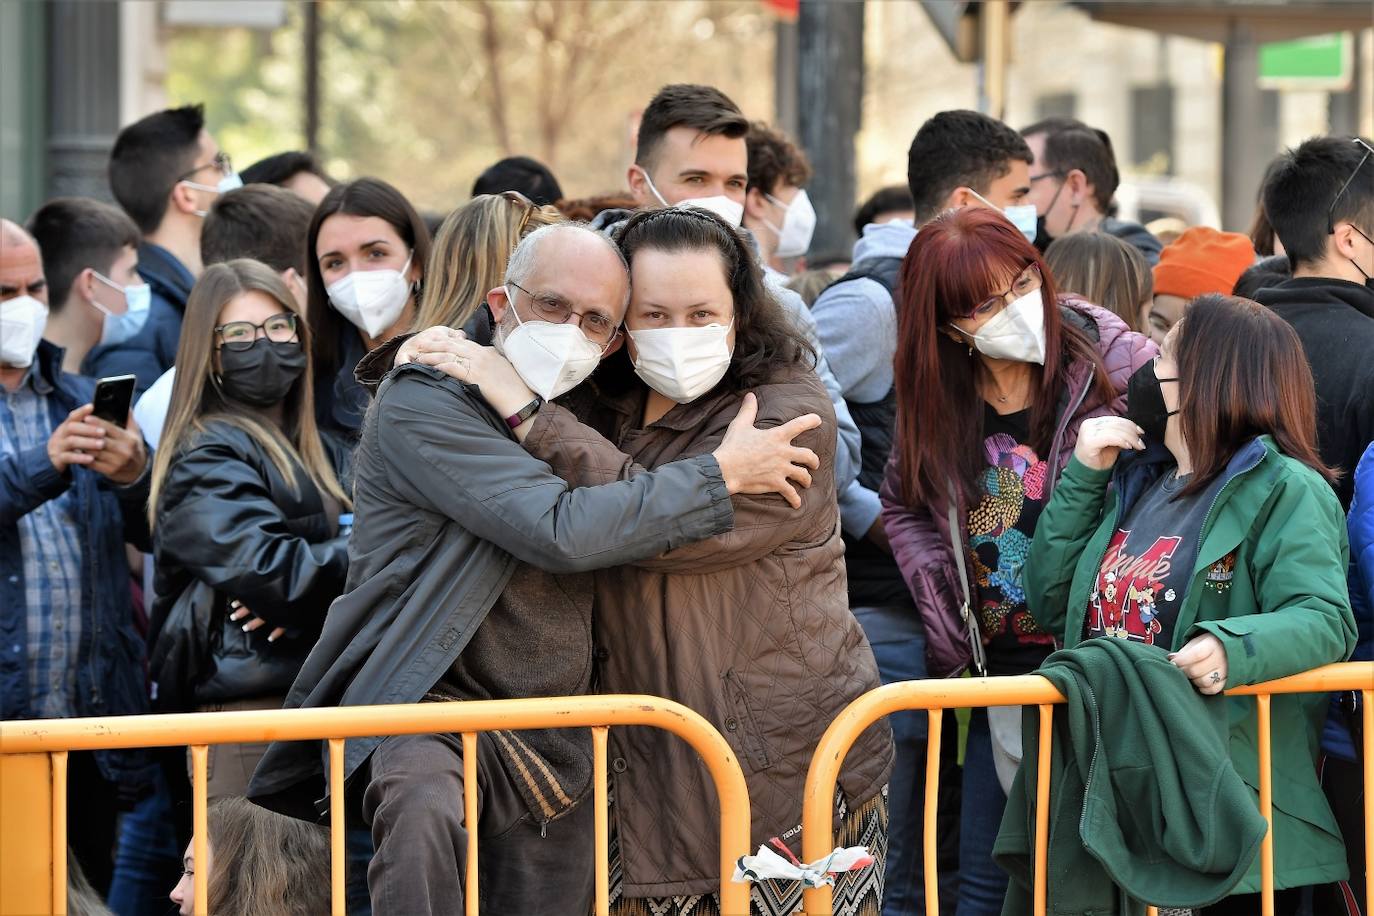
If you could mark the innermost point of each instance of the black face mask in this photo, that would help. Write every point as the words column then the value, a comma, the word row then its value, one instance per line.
column 1042, row 236
column 1145, row 405
column 1368, row 280
column 261, row 375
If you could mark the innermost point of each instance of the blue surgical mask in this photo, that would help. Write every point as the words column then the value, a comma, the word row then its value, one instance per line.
column 1022, row 217
column 137, row 300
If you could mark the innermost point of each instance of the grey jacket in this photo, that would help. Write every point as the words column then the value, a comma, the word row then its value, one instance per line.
column 847, row 441
column 447, row 504
column 857, row 325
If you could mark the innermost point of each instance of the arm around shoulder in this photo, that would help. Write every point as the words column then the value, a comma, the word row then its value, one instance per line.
column 447, row 453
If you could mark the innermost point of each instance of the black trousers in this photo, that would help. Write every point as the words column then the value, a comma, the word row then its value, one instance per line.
column 414, row 805
column 92, row 811
column 1343, row 782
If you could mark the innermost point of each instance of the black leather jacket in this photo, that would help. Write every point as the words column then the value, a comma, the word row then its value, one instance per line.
column 229, row 526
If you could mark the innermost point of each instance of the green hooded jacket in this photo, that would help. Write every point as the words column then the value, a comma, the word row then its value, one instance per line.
column 1269, row 582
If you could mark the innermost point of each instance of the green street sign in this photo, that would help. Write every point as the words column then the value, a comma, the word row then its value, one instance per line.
column 1317, row 62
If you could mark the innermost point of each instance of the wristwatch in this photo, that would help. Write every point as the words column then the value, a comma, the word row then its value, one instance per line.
column 524, row 413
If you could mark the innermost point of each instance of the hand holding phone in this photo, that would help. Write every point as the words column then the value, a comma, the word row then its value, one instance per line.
column 113, row 398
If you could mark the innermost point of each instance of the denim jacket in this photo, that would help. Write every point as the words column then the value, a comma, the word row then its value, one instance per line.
column 110, row 677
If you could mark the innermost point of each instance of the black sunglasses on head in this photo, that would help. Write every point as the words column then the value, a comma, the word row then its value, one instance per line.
column 1331, row 210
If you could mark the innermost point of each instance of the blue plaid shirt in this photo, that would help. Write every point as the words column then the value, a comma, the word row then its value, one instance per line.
column 50, row 542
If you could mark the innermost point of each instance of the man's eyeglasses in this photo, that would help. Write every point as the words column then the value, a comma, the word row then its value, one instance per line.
column 1028, row 281
column 1043, row 175
column 1331, row 210
column 241, row 335
column 523, row 202
column 598, row 327
column 220, row 162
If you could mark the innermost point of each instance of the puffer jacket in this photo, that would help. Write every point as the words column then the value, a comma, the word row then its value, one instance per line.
column 750, row 628
column 227, row 518
column 920, row 535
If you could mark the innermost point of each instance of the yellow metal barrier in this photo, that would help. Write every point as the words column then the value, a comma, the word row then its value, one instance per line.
column 33, row 777
column 936, row 696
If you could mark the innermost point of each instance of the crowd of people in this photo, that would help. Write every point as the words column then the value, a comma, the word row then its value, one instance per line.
column 650, row 442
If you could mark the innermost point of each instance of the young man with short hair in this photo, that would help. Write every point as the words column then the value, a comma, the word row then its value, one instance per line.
column 776, row 207
column 165, row 172
column 72, row 491
column 1320, row 199
column 957, row 159
column 691, row 150
column 95, row 295
column 262, row 222
column 1074, row 182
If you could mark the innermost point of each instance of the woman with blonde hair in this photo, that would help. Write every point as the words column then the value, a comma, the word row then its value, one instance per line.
column 469, row 255
column 246, row 508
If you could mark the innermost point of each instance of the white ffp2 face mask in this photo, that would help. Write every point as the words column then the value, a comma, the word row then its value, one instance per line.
column 682, row 364
column 732, row 211
column 22, row 320
column 1015, row 333
column 372, row 299
column 550, row 358
column 798, row 225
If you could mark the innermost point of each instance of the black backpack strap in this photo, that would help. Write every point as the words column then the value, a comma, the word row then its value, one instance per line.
column 884, row 270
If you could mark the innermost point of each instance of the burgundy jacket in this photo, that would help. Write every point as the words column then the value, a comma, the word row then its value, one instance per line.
column 920, row 535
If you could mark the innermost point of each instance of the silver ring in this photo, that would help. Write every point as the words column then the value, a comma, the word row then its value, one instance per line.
column 1216, row 677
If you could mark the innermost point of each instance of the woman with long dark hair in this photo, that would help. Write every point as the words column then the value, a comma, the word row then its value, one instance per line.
column 1221, row 541
column 245, row 506
column 995, row 373
column 366, row 252
column 752, row 629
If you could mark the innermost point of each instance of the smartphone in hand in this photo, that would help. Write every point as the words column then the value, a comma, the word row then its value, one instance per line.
column 113, row 397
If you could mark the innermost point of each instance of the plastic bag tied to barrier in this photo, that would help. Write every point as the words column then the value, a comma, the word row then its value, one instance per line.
column 767, row 864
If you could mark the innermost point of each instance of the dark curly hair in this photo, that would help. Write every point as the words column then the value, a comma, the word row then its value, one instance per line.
column 765, row 340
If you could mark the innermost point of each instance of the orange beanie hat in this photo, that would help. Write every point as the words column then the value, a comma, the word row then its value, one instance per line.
column 1202, row 260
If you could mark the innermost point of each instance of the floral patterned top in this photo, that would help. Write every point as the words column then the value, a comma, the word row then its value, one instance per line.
column 1000, row 528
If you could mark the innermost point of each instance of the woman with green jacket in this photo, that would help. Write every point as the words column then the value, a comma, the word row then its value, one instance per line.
column 1219, row 539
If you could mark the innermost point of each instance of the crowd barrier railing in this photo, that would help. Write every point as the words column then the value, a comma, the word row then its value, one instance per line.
column 1033, row 690
column 33, row 777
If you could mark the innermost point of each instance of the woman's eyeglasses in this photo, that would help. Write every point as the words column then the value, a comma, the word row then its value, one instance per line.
column 1028, row 281
column 241, row 335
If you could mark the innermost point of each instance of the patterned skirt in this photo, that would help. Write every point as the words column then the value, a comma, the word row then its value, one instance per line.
column 856, row 893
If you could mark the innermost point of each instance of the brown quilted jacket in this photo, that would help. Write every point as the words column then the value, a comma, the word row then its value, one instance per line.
column 751, row 629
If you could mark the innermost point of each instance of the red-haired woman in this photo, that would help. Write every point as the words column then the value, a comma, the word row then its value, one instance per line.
column 995, row 373
column 1222, row 542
